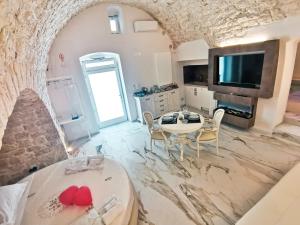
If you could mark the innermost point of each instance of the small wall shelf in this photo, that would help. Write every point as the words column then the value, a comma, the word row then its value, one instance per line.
column 68, row 121
column 66, row 102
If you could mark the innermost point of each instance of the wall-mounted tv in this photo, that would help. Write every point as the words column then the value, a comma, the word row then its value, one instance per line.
column 241, row 70
column 247, row 70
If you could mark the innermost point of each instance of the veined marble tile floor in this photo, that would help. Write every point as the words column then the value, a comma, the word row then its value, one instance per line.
column 214, row 190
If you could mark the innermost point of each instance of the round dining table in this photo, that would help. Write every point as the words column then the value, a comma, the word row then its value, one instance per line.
column 181, row 129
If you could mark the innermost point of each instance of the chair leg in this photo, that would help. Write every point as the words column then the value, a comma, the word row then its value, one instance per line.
column 181, row 152
column 198, row 150
column 217, row 145
column 151, row 143
column 166, row 146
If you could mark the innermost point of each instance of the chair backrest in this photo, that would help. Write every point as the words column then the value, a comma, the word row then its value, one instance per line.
column 218, row 116
column 149, row 120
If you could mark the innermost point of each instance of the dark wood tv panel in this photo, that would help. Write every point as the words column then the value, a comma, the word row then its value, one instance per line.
column 243, row 96
column 271, row 52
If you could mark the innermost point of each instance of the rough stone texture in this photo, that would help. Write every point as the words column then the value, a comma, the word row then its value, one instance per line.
column 28, row 28
column 30, row 139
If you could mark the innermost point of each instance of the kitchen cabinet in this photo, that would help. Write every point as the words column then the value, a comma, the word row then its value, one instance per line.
column 158, row 103
column 163, row 68
column 174, row 100
column 200, row 97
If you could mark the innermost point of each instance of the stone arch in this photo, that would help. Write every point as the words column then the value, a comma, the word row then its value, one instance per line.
column 30, row 139
column 28, row 29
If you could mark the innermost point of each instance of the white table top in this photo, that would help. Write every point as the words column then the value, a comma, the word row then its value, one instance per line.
column 51, row 181
column 181, row 128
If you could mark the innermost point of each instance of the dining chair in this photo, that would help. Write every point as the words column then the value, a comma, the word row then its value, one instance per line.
column 211, row 134
column 155, row 132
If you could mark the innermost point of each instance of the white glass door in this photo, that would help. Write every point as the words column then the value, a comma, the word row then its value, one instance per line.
column 106, row 94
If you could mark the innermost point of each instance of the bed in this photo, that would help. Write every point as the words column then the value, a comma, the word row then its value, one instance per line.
column 111, row 180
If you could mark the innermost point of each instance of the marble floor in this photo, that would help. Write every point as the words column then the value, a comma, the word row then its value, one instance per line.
column 214, row 190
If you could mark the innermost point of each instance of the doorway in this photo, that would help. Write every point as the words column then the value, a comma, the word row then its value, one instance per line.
column 102, row 73
column 292, row 115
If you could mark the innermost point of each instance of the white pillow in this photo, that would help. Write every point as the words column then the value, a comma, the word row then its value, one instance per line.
column 12, row 203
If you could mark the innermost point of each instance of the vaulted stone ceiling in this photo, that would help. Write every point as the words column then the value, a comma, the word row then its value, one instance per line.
column 28, row 28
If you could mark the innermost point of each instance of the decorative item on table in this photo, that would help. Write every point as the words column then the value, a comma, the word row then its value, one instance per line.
column 74, row 195
column 84, row 163
column 193, row 118
column 185, row 109
column 176, row 114
column 181, row 116
column 170, row 119
column 186, row 114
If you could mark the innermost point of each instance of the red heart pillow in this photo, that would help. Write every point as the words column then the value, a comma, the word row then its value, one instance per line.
column 83, row 196
column 68, row 195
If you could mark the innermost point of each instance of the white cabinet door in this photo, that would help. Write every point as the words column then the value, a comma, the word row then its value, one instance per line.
column 174, row 100
column 203, row 98
column 189, row 95
column 200, row 97
column 147, row 104
column 163, row 65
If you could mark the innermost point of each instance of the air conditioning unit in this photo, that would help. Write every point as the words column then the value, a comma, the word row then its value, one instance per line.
column 145, row 26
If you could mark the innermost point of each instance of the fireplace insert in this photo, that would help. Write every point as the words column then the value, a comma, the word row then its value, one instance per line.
column 243, row 111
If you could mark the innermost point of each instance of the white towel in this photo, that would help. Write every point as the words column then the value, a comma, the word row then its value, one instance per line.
column 112, row 213
column 92, row 218
column 110, row 210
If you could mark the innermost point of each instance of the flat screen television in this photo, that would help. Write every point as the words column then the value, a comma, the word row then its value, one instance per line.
column 241, row 70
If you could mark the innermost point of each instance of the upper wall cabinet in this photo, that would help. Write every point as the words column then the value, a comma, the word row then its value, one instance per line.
column 163, row 68
column 192, row 50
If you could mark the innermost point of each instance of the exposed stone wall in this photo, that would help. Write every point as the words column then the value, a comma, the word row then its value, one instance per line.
column 30, row 139
column 28, row 28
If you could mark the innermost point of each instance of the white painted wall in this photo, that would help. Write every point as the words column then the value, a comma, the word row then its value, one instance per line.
column 296, row 75
column 189, row 53
column 270, row 112
column 89, row 32
column 192, row 50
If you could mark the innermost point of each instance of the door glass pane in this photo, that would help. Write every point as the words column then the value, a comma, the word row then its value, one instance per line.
column 107, row 95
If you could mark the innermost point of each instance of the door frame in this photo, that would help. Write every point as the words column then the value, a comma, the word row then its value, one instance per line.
column 101, row 69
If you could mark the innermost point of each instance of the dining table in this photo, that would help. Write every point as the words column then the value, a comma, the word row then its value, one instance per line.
column 182, row 124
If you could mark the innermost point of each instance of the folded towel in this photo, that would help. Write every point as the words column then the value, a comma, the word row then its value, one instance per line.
column 112, row 213
column 92, row 217
column 110, row 210
column 83, row 164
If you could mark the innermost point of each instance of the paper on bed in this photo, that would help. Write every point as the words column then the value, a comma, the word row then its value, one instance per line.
column 83, row 164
